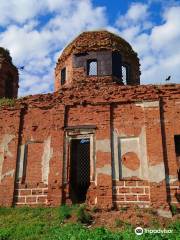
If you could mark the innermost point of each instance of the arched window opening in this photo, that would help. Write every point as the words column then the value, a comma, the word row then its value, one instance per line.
column 116, row 65
column 63, row 76
column 125, row 74
column 92, row 67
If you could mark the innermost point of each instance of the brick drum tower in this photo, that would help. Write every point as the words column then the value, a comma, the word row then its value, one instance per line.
column 98, row 56
column 8, row 76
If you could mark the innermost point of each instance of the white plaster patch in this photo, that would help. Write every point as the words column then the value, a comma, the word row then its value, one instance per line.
column 129, row 173
column 124, row 144
column 5, row 150
column 164, row 213
column 148, row 104
column 46, row 157
column 115, row 158
column 157, row 173
column 9, row 173
column 4, row 144
column 1, row 160
column 20, row 161
column 106, row 169
column 144, row 172
column 129, row 144
column 103, row 145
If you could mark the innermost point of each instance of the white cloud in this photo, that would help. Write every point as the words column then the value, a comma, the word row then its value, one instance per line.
column 84, row 17
column 169, row 32
column 26, row 43
column 13, row 11
column 131, row 32
column 157, row 45
column 137, row 13
column 36, row 45
column 18, row 11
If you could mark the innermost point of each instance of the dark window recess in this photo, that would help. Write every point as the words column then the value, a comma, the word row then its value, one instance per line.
column 92, row 67
column 177, row 149
column 79, row 169
column 63, row 76
column 9, row 87
column 177, row 144
column 116, row 65
column 125, row 74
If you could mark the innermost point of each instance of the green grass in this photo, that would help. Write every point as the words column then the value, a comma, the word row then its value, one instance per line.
column 51, row 224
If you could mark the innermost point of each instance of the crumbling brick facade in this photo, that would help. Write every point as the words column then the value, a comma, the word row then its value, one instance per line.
column 128, row 132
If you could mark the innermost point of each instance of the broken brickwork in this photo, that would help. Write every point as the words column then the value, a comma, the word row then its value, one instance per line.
column 96, row 45
column 129, row 130
column 9, row 78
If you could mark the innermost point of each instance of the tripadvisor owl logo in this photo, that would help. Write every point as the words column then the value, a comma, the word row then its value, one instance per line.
column 138, row 231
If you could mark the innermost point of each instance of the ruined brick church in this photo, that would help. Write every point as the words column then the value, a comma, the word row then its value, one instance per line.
column 100, row 138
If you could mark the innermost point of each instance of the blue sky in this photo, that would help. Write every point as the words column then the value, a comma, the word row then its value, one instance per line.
column 36, row 31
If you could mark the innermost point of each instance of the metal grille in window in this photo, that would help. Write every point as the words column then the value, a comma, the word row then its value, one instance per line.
column 124, row 74
column 92, row 67
column 63, row 76
column 83, row 170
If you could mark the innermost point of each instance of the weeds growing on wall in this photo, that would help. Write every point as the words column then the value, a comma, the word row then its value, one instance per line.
column 7, row 102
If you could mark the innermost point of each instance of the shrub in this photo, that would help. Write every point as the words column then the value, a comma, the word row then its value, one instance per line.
column 83, row 216
column 174, row 209
column 7, row 102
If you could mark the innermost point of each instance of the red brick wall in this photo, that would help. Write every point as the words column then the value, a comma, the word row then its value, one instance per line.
column 33, row 168
column 9, row 134
column 69, row 72
column 110, row 108
column 31, row 194
column 130, row 192
column 170, row 128
column 38, row 126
